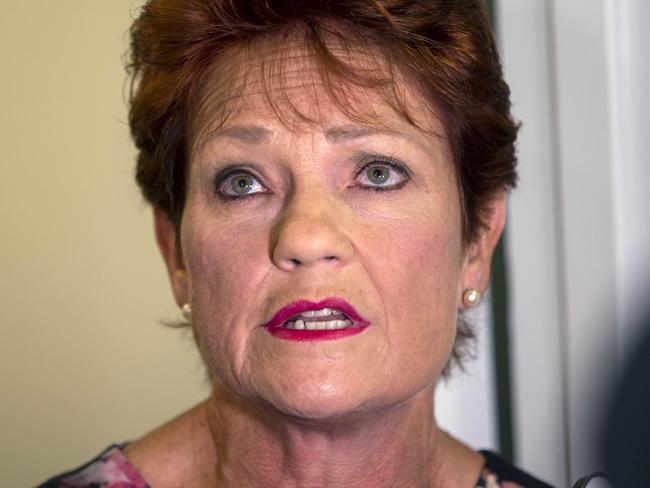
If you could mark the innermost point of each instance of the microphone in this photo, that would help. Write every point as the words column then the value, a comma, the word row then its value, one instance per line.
column 594, row 480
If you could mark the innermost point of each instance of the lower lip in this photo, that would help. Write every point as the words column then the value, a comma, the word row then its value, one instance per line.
column 304, row 335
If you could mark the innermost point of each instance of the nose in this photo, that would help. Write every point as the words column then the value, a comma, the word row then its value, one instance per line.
column 308, row 232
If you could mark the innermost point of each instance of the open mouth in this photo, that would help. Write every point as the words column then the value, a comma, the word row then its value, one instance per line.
column 303, row 320
column 323, row 319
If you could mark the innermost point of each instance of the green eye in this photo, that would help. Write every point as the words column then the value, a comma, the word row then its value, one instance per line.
column 238, row 184
column 242, row 184
column 378, row 175
column 383, row 175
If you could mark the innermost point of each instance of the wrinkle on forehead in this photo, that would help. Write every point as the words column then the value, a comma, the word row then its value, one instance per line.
column 299, row 83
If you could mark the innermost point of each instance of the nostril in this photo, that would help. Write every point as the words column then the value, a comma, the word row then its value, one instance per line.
column 298, row 262
column 303, row 241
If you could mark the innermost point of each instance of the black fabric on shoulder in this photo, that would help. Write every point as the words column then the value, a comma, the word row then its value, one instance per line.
column 507, row 472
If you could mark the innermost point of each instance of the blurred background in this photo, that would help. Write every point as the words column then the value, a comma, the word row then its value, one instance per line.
column 84, row 361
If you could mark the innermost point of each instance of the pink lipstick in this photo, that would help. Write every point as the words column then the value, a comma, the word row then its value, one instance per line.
column 304, row 320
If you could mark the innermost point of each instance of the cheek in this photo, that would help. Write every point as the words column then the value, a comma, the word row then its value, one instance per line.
column 216, row 272
column 224, row 271
column 418, row 254
column 418, row 285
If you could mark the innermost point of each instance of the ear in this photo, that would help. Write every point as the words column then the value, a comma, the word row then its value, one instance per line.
column 478, row 255
column 172, row 255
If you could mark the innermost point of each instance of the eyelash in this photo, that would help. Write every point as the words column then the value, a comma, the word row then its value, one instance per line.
column 364, row 164
column 394, row 164
column 223, row 176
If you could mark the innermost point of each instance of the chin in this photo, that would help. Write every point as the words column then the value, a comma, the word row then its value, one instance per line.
column 321, row 415
column 330, row 402
column 312, row 400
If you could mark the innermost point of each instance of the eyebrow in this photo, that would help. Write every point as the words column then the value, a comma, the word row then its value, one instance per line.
column 351, row 132
column 346, row 133
column 250, row 134
column 257, row 135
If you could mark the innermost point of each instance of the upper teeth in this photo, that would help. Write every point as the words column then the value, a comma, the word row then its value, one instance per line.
column 323, row 312
column 302, row 321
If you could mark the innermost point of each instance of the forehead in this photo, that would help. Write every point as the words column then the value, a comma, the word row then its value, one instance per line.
column 295, row 87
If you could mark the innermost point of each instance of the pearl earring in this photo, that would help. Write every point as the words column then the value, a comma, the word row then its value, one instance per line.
column 471, row 297
column 186, row 311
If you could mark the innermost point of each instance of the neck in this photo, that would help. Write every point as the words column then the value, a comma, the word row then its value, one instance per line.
column 398, row 446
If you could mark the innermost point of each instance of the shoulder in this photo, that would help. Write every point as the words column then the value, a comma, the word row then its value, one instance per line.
column 106, row 469
column 497, row 472
column 178, row 453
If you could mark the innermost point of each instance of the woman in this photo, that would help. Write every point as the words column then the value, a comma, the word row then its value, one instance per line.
column 328, row 181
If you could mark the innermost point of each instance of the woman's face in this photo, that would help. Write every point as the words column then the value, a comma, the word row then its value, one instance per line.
column 277, row 213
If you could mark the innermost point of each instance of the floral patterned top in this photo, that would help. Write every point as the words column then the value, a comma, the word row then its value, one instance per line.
column 111, row 469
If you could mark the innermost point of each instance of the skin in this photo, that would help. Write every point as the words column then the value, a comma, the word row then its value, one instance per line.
column 356, row 411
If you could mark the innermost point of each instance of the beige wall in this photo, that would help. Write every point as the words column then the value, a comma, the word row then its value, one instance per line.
column 83, row 359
